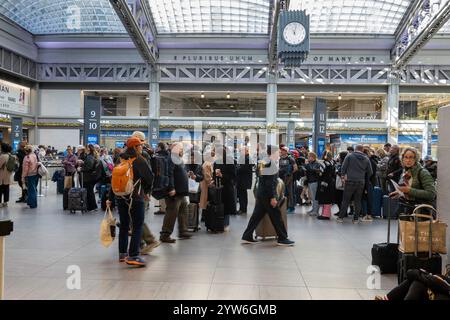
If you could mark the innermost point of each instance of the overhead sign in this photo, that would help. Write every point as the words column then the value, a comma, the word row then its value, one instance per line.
column 14, row 98
column 91, row 131
column 290, row 136
column 359, row 139
column 16, row 131
column 153, row 129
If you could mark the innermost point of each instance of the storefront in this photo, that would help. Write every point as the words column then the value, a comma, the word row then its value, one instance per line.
column 340, row 142
column 416, row 141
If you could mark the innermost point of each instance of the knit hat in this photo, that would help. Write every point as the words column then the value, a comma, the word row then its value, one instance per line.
column 133, row 142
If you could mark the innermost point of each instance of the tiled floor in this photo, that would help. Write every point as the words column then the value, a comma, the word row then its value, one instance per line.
column 329, row 260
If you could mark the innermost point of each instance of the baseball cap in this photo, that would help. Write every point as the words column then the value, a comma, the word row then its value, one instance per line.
column 139, row 134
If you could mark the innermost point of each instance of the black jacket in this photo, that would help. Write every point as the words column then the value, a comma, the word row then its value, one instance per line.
column 197, row 170
column 20, row 156
column 395, row 167
column 178, row 178
column 244, row 173
column 88, row 169
column 267, row 183
column 312, row 171
column 374, row 159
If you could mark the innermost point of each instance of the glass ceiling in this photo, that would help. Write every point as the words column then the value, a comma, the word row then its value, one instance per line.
column 353, row 16
column 63, row 16
column 211, row 16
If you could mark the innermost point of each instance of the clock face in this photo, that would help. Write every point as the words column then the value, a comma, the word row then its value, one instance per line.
column 294, row 33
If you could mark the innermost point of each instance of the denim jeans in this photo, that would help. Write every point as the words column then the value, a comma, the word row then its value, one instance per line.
column 32, row 182
column 137, row 214
column 313, row 189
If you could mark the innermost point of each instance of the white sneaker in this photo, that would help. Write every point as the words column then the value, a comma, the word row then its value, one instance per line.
column 367, row 218
column 226, row 229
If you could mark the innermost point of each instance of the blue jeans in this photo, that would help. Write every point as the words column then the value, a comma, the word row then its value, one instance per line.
column 313, row 188
column 32, row 182
column 137, row 214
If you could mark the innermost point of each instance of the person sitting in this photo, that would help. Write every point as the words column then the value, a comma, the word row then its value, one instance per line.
column 416, row 185
column 421, row 285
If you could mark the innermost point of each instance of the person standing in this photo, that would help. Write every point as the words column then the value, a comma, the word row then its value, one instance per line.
column 209, row 156
column 382, row 168
column 355, row 169
column 266, row 200
column 176, row 203
column 244, row 179
column 370, row 184
column 161, row 151
column 18, row 175
column 326, row 185
column 90, row 176
column 394, row 170
column 339, row 191
column 69, row 163
column 132, row 211
column 312, row 178
column 5, row 174
column 30, row 176
column 431, row 166
column 387, row 148
column 288, row 167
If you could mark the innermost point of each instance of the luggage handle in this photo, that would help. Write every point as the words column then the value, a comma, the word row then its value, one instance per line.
column 425, row 206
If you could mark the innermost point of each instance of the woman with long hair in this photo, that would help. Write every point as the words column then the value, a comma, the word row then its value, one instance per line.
column 90, row 176
column 326, row 185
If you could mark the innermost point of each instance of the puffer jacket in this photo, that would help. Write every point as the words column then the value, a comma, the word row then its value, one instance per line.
column 423, row 189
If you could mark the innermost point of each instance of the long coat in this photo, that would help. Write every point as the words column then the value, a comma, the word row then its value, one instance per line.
column 244, row 174
column 229, row 185
column 207, row 178
column 325, row 194
column 5, row 175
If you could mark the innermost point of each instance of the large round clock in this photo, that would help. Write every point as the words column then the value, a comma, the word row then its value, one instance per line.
column 294, row 33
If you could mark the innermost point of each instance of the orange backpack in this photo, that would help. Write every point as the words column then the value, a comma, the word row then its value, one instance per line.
column 122, row 178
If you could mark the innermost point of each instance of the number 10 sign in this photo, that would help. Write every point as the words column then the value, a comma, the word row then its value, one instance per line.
column 91, row 119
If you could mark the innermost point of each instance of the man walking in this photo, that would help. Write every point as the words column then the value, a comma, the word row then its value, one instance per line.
column 355, row 169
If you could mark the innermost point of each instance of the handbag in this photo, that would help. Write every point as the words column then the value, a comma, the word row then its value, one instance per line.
column 68, row 182
column 418, row 236
column 108, row 228
column 339, row 183
column 42, row 170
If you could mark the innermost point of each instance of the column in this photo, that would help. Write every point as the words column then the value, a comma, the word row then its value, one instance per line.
column 392, row 110
column 271, row 108
column 35, row 103
column 443, row 183
column 154, row 106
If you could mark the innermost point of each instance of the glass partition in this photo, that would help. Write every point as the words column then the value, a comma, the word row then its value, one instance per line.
column 421, row 106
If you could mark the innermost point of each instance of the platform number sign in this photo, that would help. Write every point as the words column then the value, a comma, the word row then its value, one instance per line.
column 290, row 137
column 16, row 130
column 320, row 127
column 154, row 132
column 92, row 120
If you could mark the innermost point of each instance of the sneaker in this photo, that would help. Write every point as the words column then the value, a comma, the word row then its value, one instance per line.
column 291, row 210
column 286, row 242
column 160, row 212
column 340, row 220
column 123, row 257
column 367, row 218
column 167, row 240
column 185, row 235
column 149, row 247
column 248, row 241
column 226, row 229
column 323, row 218
column 242, row 212
column 20, row 200
column 135, row 261
column 312, row 214
column 356, row 221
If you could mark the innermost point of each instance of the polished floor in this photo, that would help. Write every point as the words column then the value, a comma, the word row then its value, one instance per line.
column 329, row 260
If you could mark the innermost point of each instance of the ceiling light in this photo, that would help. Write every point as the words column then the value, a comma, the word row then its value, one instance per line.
column 231, row 106
column 303, row 97
column 228, row 95
column 110, row 98
column 202, row 96
column 147, row 98
column 340, row 97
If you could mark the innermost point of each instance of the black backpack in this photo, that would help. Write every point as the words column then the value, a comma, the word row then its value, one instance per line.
column 160, row 168
column 98, row 171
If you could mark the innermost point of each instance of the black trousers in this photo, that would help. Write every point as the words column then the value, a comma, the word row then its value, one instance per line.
column 4, row 193
column 409, row 290
column 263, row 206
column 355, row 190
column 242, row 194
column 91, row 202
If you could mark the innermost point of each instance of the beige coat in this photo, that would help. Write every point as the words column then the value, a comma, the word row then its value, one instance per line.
column 5, row 175
column 207, row 178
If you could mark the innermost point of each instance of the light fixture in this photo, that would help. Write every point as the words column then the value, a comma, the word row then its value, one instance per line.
column 231, row 106
column 303, row 97
column 228, row 95
column 110, row 98
column 340, row 97
column 294, row 107
column 147, row 98
column 202, row 96
column 207, row 106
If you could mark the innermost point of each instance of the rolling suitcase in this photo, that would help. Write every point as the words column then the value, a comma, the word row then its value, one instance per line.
column 390, row 205
column 265, row 228
column 193, row 219
column 215, row 218
column 385, row 255
column 377, row 201
column 429, row 261
column 77, row 199
column 66, row 199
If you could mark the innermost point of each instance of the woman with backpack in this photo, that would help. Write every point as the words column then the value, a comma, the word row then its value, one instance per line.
column 7, row 166
column 131, row 206
column 90, row 176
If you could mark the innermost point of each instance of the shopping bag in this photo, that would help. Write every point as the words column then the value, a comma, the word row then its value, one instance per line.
column 194, row 186
column 68, row 182
column 417, row 236
column 108, row 228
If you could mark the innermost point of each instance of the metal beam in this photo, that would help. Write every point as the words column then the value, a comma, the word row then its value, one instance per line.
column 276, row 7
column 407, row 17
column 137, row 20
column 418, row 31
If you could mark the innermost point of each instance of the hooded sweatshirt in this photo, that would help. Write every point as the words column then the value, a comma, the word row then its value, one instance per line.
column 356, row 167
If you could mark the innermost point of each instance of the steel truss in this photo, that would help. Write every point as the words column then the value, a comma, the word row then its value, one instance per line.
column 16, row 64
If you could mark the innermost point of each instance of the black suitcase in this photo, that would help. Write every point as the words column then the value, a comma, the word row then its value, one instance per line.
column 77, row 200
column 391, row 205
column 215, row 192
column 215, row 218
column 66, row 199
column 385, row 255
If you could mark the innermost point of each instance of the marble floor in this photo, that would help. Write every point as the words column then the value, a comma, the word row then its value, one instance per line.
column 329, row 260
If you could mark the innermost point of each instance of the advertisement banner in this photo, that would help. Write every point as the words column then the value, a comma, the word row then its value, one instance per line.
column 14, row 98
column 92, row 107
